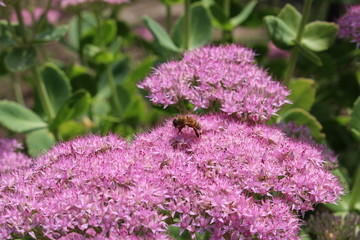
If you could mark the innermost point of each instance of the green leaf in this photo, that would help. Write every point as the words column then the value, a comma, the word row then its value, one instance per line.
column 218, row 16
column 201, row 28
column 38, row 142
column 57, row 84
column 174, row 233
column 20, row 58
column 160, row 35
column 76, row 105
column 53, row 34
column 70, row 129
column 19, row 119
column 291, row 17
column 309, row 54
column 139, row 73
column 99, row 55
column 171, row 2
column 88, row 21
column 244, row 14
column 6, row 38
column 302, row 94
column 319, row 36
column 302, row 117
column 279, row 32
column 108, row 31
column 355, row 119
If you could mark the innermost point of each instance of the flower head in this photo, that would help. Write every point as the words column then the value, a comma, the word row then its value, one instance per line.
column 236, row 179
column 349, row 24
column 225, row 75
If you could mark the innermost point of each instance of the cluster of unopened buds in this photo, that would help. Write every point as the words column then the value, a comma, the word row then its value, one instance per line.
column 203, row 174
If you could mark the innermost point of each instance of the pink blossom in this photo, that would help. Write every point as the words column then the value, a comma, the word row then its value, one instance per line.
column 218, row 75
column 52, row 16
column 144, row 33
column 10, row 159
column 236, row 179
column 277, row 53
column 349, row 24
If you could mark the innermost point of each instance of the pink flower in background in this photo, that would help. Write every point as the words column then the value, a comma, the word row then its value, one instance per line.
column 225, row 75
column 237, row 179
column 276, row 53
column 144, row 33
column 53, row 16
column 2, row 4
column 349, row 24
column 10, row 159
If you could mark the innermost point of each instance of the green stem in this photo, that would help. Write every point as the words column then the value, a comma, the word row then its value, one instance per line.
column 226, row 34
column 44, row 97
column 20, row 18
column 295, row 52
column 79, row 31
column 108, row 69
column 187, row 24
column 168, row 18
column 355, row 195
column 17, row 89
column 11, row 28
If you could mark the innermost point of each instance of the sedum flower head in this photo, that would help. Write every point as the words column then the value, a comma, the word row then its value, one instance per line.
column 349, row 24
column 225, row 75
column 10, row 159
column 235, row 181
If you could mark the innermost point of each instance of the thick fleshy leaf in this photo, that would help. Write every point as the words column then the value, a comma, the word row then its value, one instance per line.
column 201, row 28
column 302, row 94
column 218, row 16
column 53, row 34
column 20, row 58
column 76, row 105
column 291, row 17
column 302, row 117
column 280, row 33
column 38, row 142
column 309, row 54
column 19, row 119
column 160, row 35
column 244, row 14
column 108, row 31
column 57, row 84
column 319, row 36
column 355, row 119
column 170, row 2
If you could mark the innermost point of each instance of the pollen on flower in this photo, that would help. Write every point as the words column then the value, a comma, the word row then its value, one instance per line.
column 226, row 75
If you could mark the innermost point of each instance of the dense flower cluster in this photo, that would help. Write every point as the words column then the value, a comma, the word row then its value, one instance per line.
column 67, row 3
column 225, row 75
column 236, row 181
column 349, row 24
column 9, row 158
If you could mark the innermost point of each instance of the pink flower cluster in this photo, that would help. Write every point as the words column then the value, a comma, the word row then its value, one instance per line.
column 29, row 17
column 9, row 158
column 235, row 181
column 67, row 3
column 349, row 24
column 225, row 75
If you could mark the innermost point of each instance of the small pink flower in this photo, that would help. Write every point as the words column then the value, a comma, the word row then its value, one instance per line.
column 276, row 53
column 349, row 24
column 52, row 15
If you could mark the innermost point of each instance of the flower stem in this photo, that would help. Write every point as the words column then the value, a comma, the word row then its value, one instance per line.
column 355, row 195
column 21, row 23
column 295, row 52
column 79, row 31
column 226, row 34
column 168, row 18
column 44, row 97
column 17, row 89
column 108, row 68
column 187, row 24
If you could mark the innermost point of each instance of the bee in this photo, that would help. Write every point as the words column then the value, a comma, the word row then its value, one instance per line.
column 182, row 121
